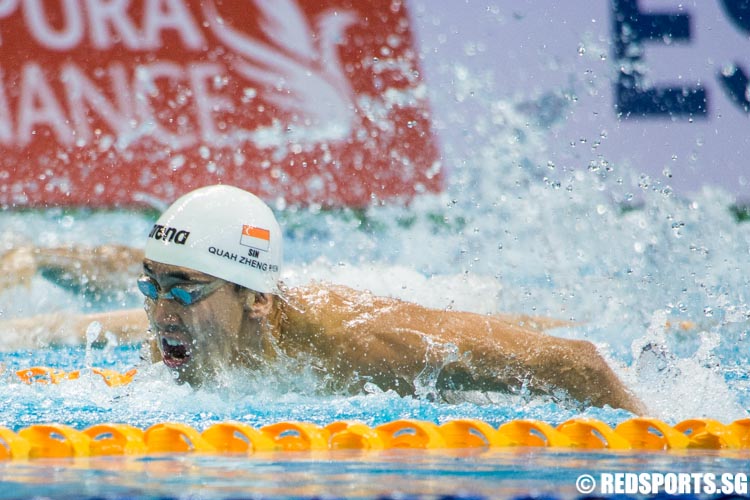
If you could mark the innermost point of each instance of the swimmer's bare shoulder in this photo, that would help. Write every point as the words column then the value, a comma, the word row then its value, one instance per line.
column 388, row 339
column 355, row 334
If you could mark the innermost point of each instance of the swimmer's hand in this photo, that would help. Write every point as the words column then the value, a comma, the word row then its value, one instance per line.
column 102, row 269
column 128, row 325
column 17, row 267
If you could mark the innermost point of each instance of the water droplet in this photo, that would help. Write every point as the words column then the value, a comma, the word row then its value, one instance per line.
column 93, row 331
column 176, row 162
column 728, row 70
column 248, row 94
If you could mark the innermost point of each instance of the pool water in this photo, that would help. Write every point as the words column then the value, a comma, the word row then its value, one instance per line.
column 345, row 474
column 622, row 276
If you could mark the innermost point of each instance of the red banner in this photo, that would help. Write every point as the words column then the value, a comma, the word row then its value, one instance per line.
column 123, row 102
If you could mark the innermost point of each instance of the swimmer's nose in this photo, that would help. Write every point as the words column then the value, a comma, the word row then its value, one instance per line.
column 162, row 314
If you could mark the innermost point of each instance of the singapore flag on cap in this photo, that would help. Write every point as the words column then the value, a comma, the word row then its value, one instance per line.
column 255, row 237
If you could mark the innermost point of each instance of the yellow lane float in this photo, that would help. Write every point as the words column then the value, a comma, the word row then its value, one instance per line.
column 58, row 440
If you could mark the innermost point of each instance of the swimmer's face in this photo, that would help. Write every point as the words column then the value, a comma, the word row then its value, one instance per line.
column 196, row 341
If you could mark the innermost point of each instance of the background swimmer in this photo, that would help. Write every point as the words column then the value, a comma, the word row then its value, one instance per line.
column 206, row 312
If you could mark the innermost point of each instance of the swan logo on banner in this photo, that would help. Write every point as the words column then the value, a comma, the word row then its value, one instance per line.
column 115, row 102
column 305, row 78
column 298, row 71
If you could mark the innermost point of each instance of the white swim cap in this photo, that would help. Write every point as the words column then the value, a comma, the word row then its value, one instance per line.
column 222, row 231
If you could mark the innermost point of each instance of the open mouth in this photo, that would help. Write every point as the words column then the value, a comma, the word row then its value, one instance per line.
column 175, row 350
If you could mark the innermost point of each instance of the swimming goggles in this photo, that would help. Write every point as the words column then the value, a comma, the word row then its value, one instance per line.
column 186, row 295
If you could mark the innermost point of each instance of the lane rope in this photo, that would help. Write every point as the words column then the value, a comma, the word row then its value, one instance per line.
column 639, row 433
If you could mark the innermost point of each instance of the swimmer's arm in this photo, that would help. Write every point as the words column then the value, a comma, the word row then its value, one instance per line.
column 391, row 340
column 546, row 362
column 129, row 326
column 17, row 267
column 512, row 349
column 495, row 351
column 536, row 323
column 106, row 267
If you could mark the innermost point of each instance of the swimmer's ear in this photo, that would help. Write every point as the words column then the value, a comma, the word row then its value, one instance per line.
column 258, row 305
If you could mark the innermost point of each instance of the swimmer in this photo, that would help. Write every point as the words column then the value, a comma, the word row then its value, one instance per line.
column 210, row 276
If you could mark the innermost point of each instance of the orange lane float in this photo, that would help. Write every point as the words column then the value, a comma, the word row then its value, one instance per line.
column 116, row 439
column 709, row 434
column 591, row 434
column 171, row 437
column 354, row 435
column 13, row 446
column 236, row 437
column 533, row 433
column 407, row 433
column 470, row 433
column 652, row 434
column 55, row 441
column 59, row 440
column 297, row 436
column 45, row 375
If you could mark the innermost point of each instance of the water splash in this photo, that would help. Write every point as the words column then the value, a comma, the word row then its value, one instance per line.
column 577, row 238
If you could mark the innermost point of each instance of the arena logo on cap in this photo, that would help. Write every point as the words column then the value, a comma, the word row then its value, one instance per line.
column 169, row 234
column 255, row 237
